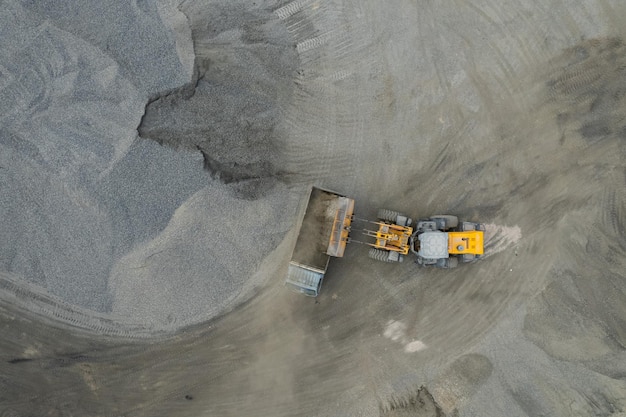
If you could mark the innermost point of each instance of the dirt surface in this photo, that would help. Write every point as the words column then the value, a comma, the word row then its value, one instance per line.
column 154, row 156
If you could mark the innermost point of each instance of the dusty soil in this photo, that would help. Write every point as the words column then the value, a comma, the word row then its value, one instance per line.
column 155, row 155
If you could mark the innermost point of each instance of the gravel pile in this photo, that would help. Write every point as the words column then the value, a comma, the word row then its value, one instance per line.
column 159, row 230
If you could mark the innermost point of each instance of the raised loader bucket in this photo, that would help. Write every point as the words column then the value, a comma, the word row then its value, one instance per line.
column 343, row 207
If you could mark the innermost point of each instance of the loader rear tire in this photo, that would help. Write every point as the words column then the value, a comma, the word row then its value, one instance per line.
column 468, row 257
column 388, row 215
column 451, row 221
column 467, row 227
column 379, row 255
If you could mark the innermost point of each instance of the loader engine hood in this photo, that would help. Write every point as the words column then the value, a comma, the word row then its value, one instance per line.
column 433, row 245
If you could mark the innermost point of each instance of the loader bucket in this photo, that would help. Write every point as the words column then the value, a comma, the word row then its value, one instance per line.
column 343, row 208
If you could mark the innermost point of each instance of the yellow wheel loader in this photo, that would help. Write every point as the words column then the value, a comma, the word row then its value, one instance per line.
column 441, row 241
column 328, row 222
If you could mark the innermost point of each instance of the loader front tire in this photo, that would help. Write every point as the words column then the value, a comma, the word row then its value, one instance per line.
column 379, row 255
column 388, row 215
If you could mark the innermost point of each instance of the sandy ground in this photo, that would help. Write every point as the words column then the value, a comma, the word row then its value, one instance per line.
column 154, row 157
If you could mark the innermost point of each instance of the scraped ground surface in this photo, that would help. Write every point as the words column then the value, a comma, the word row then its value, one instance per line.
column 155, row 157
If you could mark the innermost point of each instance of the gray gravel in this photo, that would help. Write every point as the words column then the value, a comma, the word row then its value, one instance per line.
column 86, row 199
column 153, row 157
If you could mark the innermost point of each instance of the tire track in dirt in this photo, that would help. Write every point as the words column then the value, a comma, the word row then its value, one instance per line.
column 28, row 297
column 522, row 173
column 325, row 117
column 578, row 317
column 511, row 275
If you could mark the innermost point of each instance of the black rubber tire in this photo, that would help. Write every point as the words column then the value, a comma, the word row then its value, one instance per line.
column 453, row 262
column 388, row 215
column 467, row 227
column 451, row 221
column 379, row 255
column 468, row 258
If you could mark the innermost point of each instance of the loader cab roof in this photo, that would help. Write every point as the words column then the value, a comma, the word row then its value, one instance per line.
column 433, row 245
